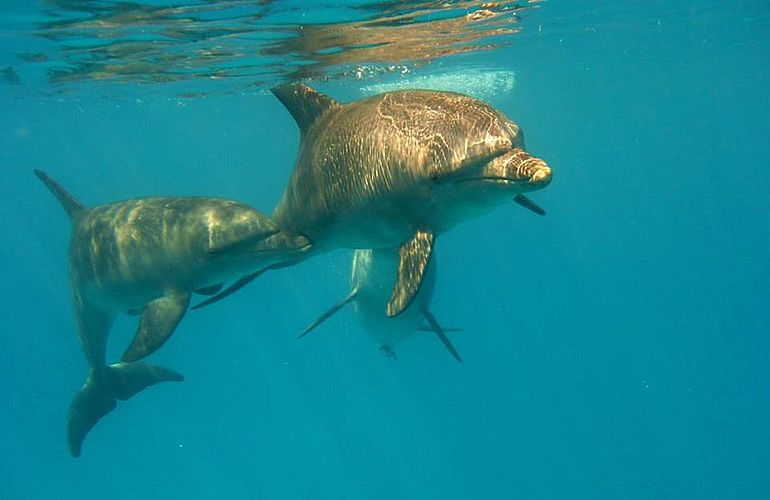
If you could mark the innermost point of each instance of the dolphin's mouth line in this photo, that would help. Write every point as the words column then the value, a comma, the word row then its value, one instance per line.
column 493, row 178
column 278, row 250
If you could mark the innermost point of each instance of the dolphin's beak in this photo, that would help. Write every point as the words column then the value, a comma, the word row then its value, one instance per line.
column 284, row 242
column 519, row 166
column 301, row 243
column 542, row 176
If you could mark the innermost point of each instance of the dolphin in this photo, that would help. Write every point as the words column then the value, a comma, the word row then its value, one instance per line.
column 397, row 169
column 145, row 256
column 371, row 280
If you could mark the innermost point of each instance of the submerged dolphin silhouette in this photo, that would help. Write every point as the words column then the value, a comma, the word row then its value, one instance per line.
column 370, row 283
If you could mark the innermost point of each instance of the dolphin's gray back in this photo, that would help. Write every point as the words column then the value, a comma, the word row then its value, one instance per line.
column 138, row 240
column 357, row 158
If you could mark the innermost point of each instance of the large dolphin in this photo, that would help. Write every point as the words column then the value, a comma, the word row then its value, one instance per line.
column 371, row 282
column 146, row 256
column 396, row 169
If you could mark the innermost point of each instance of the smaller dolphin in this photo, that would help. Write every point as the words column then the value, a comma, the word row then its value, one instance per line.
column 146, row 256
column 371, row 282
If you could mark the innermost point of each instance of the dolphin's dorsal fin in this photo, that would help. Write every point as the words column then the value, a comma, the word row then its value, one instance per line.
column 304, row 104
column 68, row 202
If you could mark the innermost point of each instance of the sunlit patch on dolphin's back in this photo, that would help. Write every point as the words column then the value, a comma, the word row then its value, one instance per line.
column 137, row 240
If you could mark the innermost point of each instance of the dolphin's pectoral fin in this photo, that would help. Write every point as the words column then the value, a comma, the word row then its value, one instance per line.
column 526, row 202
column 128, row 379
column 441, row 334
column 159, row 319
column 428, row 328
column 209, row 290
column 336, row 307
column 90, row 404
column 242, row 282
column 414, row 256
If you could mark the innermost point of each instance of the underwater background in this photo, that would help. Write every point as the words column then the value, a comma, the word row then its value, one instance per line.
column 615, row 348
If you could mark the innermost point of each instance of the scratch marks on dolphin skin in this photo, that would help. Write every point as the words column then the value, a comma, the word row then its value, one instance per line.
column 437, row 127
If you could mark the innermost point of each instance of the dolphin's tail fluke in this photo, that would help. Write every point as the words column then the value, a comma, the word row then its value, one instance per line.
column 100, row 393
column 92, row 402
column 70, row 204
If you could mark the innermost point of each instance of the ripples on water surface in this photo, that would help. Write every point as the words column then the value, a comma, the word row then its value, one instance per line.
column 234, row 45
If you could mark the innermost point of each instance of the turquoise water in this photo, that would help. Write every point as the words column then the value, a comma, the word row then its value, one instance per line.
column 616, row 348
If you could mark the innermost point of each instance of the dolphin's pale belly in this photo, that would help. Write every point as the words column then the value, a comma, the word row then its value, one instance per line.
column 386, row 331
column 387, row 222
column 367, row 229
column 373, row 274
column 377, row 217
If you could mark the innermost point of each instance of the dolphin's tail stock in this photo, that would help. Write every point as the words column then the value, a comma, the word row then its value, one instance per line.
column 103, row 388
column 68, row 202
